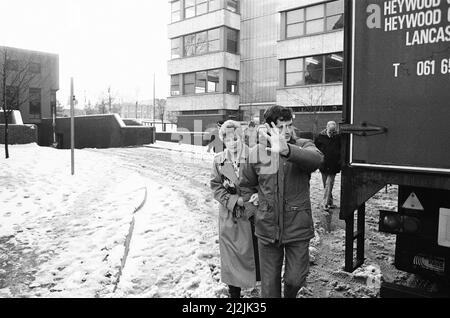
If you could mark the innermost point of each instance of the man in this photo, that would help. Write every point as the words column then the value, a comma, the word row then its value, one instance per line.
column 279, row 167
column 215, row 143
column 329, row 143
column 250, row 135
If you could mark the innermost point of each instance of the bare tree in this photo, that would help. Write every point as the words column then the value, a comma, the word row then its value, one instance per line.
column 311, row 103
column 16, row 74
column 161, row 109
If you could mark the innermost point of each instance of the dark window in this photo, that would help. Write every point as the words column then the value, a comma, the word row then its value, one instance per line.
column 176, row 48
column 189, row 83
column 333, row 67
column 34, row 68
column 213, row 81
column 35, row 103
column 232, row 40
column 232, row 5
column 176, row 11
column 294, row 72
column 314, row 70
column 317, row 69
column 231, row 78
column 175, row 85
column 12, row 65
column 12, row 97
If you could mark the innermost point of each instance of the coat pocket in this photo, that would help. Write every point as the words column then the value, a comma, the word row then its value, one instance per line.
column 297, row 219
column 264, row 221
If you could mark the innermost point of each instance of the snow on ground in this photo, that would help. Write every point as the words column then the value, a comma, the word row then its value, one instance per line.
column 65, row 236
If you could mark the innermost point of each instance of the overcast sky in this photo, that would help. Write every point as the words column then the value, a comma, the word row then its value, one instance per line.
column 100, row 43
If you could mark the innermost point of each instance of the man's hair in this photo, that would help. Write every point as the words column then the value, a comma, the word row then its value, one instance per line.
column 219, row 123
column 228, row 126
column 273, row 113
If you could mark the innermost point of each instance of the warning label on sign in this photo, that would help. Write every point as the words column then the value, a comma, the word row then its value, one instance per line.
column 413, row 203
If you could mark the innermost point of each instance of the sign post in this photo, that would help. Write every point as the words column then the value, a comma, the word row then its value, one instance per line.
column 72, row 128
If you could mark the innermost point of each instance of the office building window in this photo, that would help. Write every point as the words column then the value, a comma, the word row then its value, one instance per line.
column 200, row 82
column 35, row 103
column 232, row 5
column 202, row 42
column 175, row 85
column 189, row 83
column 232, row 40
column 213, row 81
column 34, row 68
column 334, row 65
column 315, row 19
column 231, row 78
column 295, row 23
column 176, row 11
column 335, row 15
column 311, row 70
column 176, row 48
column 12, row 97
column 214, row 5
column 214, row 40
column 189, row 8
column 294, row 72
column 189, row 45
column 193, row 8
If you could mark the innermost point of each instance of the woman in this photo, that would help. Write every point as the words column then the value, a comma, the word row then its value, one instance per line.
column 237, row 243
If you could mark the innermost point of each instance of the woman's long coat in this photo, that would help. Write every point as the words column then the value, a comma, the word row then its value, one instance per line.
column 236, row 237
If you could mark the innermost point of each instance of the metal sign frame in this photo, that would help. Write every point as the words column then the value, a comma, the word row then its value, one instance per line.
column 351, row 111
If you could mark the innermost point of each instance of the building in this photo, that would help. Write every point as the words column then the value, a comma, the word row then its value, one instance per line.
column 32, row 80
column 234, row 59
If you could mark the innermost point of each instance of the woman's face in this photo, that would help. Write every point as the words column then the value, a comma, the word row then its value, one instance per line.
column 232, row 141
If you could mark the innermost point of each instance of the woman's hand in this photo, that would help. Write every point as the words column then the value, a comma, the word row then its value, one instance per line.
column 240, row 202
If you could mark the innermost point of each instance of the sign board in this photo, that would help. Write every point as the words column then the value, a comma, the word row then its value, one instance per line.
column 400, row 80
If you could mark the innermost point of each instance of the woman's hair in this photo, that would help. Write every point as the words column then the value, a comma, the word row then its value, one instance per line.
column 230, row 125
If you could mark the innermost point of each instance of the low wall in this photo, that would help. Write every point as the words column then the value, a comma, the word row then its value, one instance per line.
column 19, row 134
column 184, row 137
column 95, row 131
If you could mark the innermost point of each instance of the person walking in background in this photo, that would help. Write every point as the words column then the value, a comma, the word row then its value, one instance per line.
column 251, row 135
column 215, row 143
column 237, row 243
column 329, row 143
column 280, row 167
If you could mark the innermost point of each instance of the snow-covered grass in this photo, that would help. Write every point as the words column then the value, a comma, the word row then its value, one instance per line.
column 65, row 233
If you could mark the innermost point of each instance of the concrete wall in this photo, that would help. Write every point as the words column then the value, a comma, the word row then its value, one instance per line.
column 312, row 95
column 19, row 134
column 203, row 102
column 324, row 43
column 97, row 131
column 204, row 22
column 204, row 62
column 185, row 137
